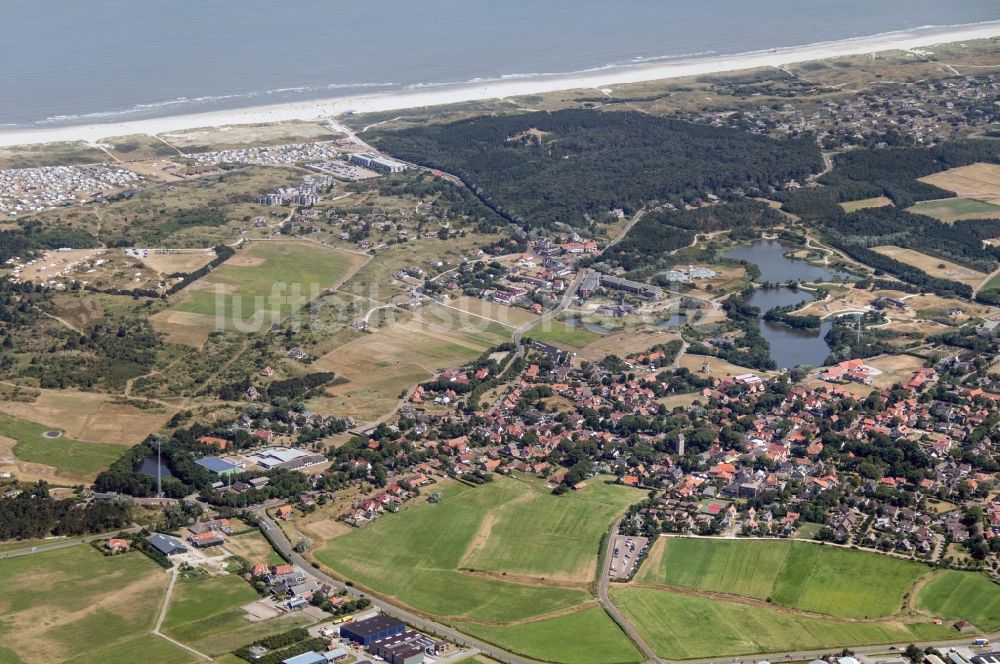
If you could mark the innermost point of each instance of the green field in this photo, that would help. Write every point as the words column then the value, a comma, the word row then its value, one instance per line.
column 58, row 605
column 950, row 210
column 415, row 555
column 63, row 454
column 800, row 575
column 685, row 627
column 270, row 279
column 559, row 333
column 967, row 595
column 584, row 637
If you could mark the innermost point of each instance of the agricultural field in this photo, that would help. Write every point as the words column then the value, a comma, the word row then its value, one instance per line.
column 260, row 285
column 104, row 603
column 970, row 596
column 681, row 626
column 864, row 203
column 799, row 575
column 977, row 181
column 950, row 210
column 589, row 637
column 935, row 267
column 433, row 542
column 30, row 455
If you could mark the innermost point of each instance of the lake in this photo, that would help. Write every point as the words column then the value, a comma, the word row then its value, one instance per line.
column 148, row 467
column 69, row 62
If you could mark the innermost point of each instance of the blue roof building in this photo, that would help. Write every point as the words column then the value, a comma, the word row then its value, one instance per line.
column 306, row 658
column 218, row 466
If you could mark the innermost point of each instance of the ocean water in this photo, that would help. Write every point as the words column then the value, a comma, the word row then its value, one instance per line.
column 72, row 61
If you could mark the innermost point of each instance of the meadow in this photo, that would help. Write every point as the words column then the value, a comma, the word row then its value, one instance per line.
column 966, row 595
column 67, row 456
column 420, row 566
column 562, row 334
column 936, row 267
column 104, row 603
column 799, row 575
column 878, row 201
column 679, row 626
column 588, row 637
column 950, row 210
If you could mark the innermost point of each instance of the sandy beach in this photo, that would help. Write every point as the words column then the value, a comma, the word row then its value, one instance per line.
column 406, row 99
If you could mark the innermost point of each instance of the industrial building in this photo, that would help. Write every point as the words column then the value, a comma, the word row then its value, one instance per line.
column 377, row 162
column 372, row 629
column 629, row 286
column 218, row 466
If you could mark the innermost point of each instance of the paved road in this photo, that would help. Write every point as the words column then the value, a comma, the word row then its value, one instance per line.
column 552, row 313
column 281, row 543
column 612, row 610
column 63, row 543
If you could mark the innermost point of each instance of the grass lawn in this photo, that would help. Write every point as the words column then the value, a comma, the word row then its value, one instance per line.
column 205, row 614
column 148, row 648
column 993, row 283
column 967, row 595
column 559, row 333
column 63, row 454
column 59, row 604
column 950, row 210
column 584, row 637
column 686, row 627
column 429, row 543
column 271, row 279
column 801, row 575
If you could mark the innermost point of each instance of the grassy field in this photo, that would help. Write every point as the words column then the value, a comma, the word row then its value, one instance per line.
column 970, row 596
column 583, row 637
column 59, row 605
column 67, row 456
column 686, row 627
column 932, row 265
column 429, row 543
column 853, row 206
column 561, row 334
column 950, row 210
column 799, row 575
column 205, row 614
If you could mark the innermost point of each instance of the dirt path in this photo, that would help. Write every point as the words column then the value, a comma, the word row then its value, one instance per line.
column 163, row 614
column 64, row 322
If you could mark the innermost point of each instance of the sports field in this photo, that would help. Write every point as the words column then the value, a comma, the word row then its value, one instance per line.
column 562, row 334
column 67, row 457
column 103, row 604
column 586, row 637
column 429, row 545
column 966, row 595
column 799, row 575
column 950, row 210
column 262, row 284
column 684, row 627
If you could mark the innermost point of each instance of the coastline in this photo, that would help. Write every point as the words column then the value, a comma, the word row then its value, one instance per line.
column 324, row 109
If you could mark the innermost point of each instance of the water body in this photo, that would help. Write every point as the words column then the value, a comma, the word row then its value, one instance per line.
column 148, row 467
column 66, row 62
column 789, row 348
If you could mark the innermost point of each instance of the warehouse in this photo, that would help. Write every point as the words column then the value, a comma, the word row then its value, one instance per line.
column 372, row 629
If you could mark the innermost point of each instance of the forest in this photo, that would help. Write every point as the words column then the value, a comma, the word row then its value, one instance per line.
column 575, row 166
column 33, row 514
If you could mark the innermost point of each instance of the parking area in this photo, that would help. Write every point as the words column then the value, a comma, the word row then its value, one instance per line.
column 626, row 553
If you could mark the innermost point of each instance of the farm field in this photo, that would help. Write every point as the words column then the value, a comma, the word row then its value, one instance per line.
column 582, row 637
column 431, row 542
column 685, row 627
column 103, row 602
column 562, row 334
column 978, row 181
column 950, row 210
column 799, row 575
column 260, row 285
column 853, row 206
column 379, row 367
column 512, row 316
column 930, row 265
column 965, row 595
column 168, row 262
column 23, row 442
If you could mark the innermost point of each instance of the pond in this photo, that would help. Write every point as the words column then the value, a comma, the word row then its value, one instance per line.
column 148, row 467
column 789, row 348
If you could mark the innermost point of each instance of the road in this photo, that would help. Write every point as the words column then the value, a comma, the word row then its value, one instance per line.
column 63, row 543
column 612, row 610
column 552, row 313
column 284, row 547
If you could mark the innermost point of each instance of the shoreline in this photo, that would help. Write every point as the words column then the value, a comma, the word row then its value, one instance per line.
column 325, row 109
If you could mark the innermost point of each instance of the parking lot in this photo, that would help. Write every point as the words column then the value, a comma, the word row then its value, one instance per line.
column 625, row 555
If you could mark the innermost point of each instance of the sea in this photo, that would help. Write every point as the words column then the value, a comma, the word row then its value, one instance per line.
column 66, row 62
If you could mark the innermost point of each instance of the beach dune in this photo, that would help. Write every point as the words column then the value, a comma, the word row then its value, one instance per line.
column 405, row 99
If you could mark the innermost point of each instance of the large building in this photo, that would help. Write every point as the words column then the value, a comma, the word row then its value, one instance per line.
column 377, row 162
column 407, row 647
column 629, row 286
column 218, row 466
column 166, row 544
column 372, row 629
